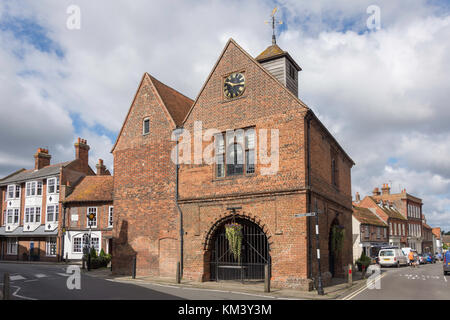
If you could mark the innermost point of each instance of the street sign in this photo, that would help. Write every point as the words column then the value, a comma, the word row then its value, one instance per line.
column 309, row 214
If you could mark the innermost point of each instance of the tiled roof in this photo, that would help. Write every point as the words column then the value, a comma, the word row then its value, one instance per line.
column 427, row 226
column 92, row 188
column 365, row 216
column 392, row 212
column 34, row 174
column 437, row 232
column 274, row 51
column 177, row 104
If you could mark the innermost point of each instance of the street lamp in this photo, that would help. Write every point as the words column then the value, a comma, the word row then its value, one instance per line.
column 91, row 216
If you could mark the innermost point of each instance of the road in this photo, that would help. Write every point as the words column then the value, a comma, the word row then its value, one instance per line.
column 427, row 282
column 49, row 282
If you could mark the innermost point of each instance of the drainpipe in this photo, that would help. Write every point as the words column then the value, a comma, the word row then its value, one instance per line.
column 308, row 188
column 63, row 233
column 177, row 133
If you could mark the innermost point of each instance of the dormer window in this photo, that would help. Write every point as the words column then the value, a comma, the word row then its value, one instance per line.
column 13, row 191
column 146, row 126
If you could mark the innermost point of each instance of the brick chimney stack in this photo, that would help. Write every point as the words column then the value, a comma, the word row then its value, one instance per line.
column 386, row 189
column 376, row 192
column 101, row 168
column 82, row 153
column 357, row 197
column 41, row 158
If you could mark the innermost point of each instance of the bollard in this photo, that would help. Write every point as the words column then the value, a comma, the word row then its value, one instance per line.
column 350, row 275
column 266, row 278
column 89, row 262
column 178, row 272
column 363, row 275
column 6, row 287
column 83, row 263
column 67, row 257
column 133, row 275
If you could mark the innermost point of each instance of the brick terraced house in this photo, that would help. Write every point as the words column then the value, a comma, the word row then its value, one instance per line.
column 165, row 215
column 93, row 194
column 411, row 208
column 30, row 205
column 390, row 214
column 370, row 232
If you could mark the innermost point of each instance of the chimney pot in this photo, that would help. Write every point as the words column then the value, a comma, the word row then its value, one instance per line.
column 41, row 158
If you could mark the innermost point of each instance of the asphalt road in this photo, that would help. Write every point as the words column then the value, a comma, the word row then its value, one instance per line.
column 49, row 282
column 427, row 282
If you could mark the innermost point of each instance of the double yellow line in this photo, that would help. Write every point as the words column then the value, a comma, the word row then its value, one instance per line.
column 364, row 287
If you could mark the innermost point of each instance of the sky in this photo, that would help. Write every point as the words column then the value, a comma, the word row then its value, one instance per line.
column 382, row 91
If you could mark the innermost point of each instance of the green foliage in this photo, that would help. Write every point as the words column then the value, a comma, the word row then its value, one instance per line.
column 337, row 239
column 363, row 261
column 93, row 253
column 233, row 232
column 444, row 246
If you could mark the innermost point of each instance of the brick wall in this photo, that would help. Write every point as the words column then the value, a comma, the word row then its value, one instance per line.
column 144, row 189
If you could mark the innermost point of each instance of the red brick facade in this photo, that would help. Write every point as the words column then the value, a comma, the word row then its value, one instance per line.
column 145, row 181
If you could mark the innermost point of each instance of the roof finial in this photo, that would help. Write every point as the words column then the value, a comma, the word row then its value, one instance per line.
column 274, row 21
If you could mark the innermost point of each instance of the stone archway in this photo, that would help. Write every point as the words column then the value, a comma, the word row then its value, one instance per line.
column 255, row 252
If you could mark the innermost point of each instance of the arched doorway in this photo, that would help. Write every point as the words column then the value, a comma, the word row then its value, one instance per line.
column 334, row 257
column 254, row 254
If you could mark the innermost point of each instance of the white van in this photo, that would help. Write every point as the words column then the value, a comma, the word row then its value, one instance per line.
column 392, row 257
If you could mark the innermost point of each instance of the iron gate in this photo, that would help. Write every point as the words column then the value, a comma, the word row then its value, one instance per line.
column 254, row 255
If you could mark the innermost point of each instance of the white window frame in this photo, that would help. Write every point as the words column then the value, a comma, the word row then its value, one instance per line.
column 15, row 191
column 48, row 246
column 11, row 246
column 55, row 213
column 53, row 182
column 81, row 244
column 31, row 213
column 110, row 216
column 94, row 225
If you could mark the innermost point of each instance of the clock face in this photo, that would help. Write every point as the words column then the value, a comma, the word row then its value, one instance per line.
column 234, row 85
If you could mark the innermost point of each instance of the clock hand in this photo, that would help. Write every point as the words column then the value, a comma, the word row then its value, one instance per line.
column 234, row 84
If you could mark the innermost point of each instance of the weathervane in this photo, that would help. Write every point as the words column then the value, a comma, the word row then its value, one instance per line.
column 274, row 22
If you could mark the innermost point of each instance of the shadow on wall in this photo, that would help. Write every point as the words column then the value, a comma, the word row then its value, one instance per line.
column 123, row 253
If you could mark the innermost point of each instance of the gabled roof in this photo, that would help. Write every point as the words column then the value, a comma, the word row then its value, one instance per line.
column 391, row 211
column 25, row 175
column 175, row 103
column 366, row 216
column 274, row 52
column 255, row 62
column 91, row 189
column 437, row 232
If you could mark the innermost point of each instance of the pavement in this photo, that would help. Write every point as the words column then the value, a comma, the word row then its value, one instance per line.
column 338, row 288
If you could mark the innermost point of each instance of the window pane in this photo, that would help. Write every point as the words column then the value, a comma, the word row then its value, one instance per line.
column 17, row 191
column 146, row 126
column 39, row 188
column 250, row 161
column 50, row 213
column 250, row 139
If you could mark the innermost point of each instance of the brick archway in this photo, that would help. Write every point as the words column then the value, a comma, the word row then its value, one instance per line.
column 255, row 250
column 228, row 217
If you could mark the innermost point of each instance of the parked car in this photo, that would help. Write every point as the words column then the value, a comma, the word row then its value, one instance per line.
column 423, row 258
column 446, row 262
column 392, row 257
column 431, row 258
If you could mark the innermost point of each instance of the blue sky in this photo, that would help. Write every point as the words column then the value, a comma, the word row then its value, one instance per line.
column 382, row 93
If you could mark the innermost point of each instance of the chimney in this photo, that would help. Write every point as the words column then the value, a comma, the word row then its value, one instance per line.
column 376, row 192
column 357, row 197
column 386, row 189
column 101, row 168
column 82, row 153
column 41, row 158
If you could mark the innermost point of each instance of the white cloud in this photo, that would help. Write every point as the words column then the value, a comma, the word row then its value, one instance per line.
column 383, row 94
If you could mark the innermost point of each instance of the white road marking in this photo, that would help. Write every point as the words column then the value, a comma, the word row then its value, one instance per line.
column 354, row 294
column 16, row 277
column 40, row 275
column 19, row 296
column 63, row 274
